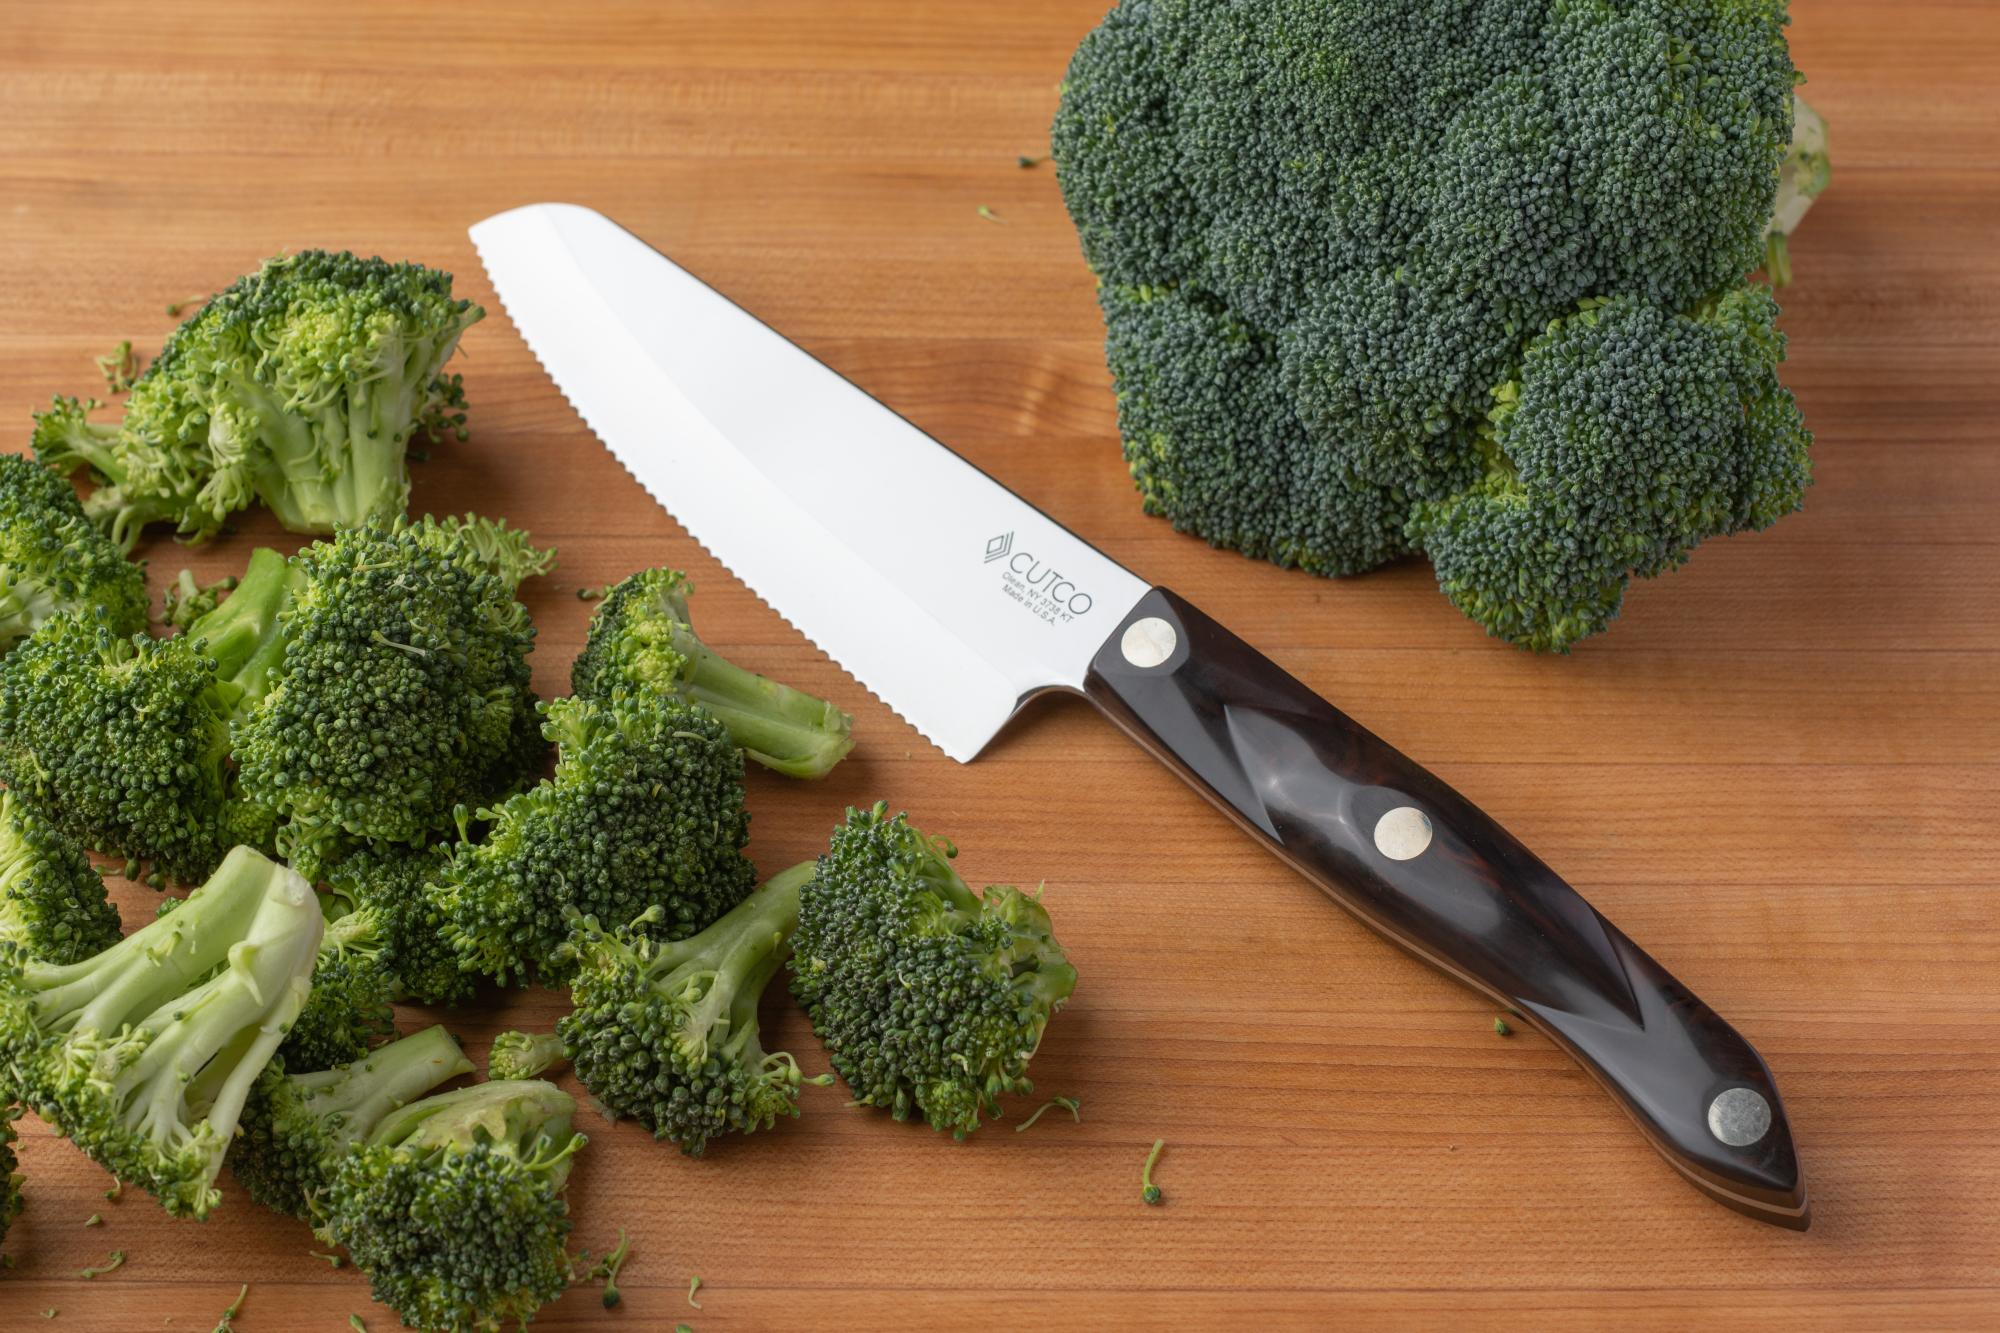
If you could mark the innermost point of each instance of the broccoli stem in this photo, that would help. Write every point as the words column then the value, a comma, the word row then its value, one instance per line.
column 354, row 1099
column 243, row 633
column 781, row 728
column 525, row 1118
column 733, row 960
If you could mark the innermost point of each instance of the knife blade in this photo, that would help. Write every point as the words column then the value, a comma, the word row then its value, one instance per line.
column 957, row 602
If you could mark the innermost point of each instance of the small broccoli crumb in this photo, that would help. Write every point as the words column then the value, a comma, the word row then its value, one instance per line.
column 589, row 594
column 694, row 1285
column 683, row 1328
column 1500, row 1026
column 191, row 303
column 354, row 1322
column 227, row 1322
column 119, row 367
column 1024, row 161
column 94, row 1220
column 612, row 1263
column 1147, row 1189
column 990, row 215
column 117, row 1186
column 1070, row 1104
column 333, row 1260
column 116, row 1261
column 50, row 1313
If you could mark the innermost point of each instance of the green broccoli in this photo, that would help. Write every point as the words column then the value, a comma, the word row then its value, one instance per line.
column 53, row 560
column 349, row 1012
column 299, row 386
column 11, row 1198
column 298, row 1127
column 52, row 900
column 1807, row 171
column 523, row 1055
column 122, row 742
column 186, row 601
column 645, row 811
column 405, row 678
column 143, row 1054
column 929, row 998
column 393, row 884
column 668, row 1033
column 640, row 640
column 1327, row 232
column 453, row 1205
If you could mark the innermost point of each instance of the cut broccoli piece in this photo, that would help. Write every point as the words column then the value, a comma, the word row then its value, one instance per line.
column 1326, row 231
column 143, row 1054
column 668, row 1033
column 645, row 811
column 640, row 640
column 523, row 1055
column 405, row 675
column 454, row 1208
column 929, row 998
column 52, row 560
column 52, row 900
column 299, row 386
column 297, row 1127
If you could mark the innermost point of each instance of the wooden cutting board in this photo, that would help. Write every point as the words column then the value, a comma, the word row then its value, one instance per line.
column 1778, row 772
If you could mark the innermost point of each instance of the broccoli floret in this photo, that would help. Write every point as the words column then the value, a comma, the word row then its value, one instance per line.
column 454, row 1207
column 350, row 1010
column 298, row 1127
column 122, row 742
column 394, row 885
column 143, row 1054
column 929, row 998
column 299, row 386
column 405, row 671
column 640, row 640
column 1806, row 173
column 668, row 1033
column 1326, row 231
column 52, row 559
column 52, row 900
column 645, row 811
column 1589, row 477
column 523, row 1054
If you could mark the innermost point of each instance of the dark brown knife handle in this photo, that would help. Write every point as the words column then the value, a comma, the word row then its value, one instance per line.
column 1424, row 866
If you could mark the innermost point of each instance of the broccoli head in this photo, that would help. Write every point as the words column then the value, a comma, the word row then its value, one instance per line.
column 297, row 1128
column 142, row 1055
column 405, row 672
column 298, row 386
column 640, row 640
column 523, row 1055
column 930, row 998
column 643, row 822
column 52, row 901
column 123, row 742
column 394, row 885
column 1326, row 232
column 453, row 1205
column 53, row 560
column 668, row 1033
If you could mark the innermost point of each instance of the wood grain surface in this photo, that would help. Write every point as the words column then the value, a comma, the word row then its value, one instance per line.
column 1778, row 772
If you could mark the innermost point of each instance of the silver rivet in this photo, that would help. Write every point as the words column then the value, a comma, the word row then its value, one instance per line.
column 1403, row 833
column 1148, row 642
column 1739, row 1117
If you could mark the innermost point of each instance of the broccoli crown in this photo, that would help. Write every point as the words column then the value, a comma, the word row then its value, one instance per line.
column 454, row 1208
column 350, row 1010
column 298, row 386
column 395, row 885
column 298, row 1127
column 120, row 742
column 142, row 1055
column 523, row 1055
column 1633, row 434
column 1326, row 231
column 929, row 998
column 668, row 1033
column 52, row 901
column 52, row 559
column 404, row 670
column 644, row 818
column 641, row 641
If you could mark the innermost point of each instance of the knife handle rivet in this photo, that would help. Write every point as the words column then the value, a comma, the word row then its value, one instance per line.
column 1739, row 1117
column 1148, row 642
column 1403, row 833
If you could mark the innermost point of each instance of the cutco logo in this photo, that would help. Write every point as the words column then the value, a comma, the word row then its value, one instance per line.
column 1036, row 584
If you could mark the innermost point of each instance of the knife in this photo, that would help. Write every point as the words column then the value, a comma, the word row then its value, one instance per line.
column 957, row 602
